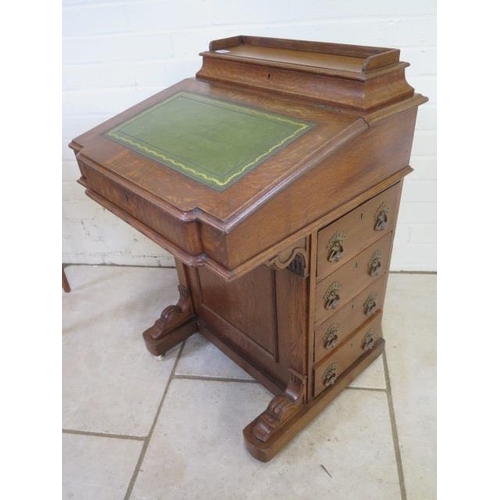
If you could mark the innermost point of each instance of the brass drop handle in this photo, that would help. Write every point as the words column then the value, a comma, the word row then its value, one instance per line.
column 375, row 264
column 330, row 375
column 336, row 252
column 332, row 297
column 382, row 218
column 370, row 305
column 331, row 337
column 332, row 300
column 375, row 267
column 335, row 247
column 368, row 341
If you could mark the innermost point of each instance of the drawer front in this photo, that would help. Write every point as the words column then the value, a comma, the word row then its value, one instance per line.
column 185, row 236
column 332, row 332
column 363, row 339
column 344, row 284
column 342, row 239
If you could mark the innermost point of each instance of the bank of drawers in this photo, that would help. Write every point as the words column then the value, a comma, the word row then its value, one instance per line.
column 344, row 238
column 363, row 339
column 345, row 283
column 330, row 333
column 353, row 261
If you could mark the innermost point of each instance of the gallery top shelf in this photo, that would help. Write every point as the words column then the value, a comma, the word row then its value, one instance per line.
column 353, row 76
column 331, row 58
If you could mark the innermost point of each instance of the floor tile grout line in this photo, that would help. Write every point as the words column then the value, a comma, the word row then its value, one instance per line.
column 133, row 266
column 153, row 425
column 209, row 378
column 395, row 438
column 104, row 435
column 414, row 272
column 253, row 381
column 173, row 267
column 373, row 389
column 215, row 379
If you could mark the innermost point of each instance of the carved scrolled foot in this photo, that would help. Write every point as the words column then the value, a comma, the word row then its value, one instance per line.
column 175, row 324
column 280, row 410
column 288, row 413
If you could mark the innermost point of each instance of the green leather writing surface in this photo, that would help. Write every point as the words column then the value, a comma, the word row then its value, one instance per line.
column 213, row 141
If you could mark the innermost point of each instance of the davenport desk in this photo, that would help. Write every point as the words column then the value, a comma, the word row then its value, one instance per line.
column 274, row 178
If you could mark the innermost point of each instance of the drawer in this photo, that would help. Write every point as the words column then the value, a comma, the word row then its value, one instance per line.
column 342, row 239
column 356, row 274
column 139, row 209
column 332, row 332
column 363, row 339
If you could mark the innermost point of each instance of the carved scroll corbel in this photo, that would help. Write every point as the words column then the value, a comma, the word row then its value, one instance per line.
column 281, row 408
column 172, row 316
column 295, row 258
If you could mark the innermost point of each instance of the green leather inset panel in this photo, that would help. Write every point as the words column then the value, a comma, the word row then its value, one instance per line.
column 210, row 140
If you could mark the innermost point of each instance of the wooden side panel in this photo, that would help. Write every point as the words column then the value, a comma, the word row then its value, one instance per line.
column 248, row 304
column 240, row 318
column 259, row 320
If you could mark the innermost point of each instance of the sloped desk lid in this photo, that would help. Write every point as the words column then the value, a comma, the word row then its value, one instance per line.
column 212, row 141
column 216, row 153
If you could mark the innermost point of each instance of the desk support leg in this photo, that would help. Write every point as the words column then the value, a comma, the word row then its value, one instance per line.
column 280, row 409
column 285, row 417
column 176, row 322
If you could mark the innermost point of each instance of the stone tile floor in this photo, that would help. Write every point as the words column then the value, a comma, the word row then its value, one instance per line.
column 142, row 429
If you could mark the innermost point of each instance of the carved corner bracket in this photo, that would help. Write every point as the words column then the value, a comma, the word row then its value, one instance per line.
column 172, row 326
column 295, row 258
column 281, row 408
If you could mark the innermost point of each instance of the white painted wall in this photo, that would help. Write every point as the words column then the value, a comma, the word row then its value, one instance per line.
column 118, row 52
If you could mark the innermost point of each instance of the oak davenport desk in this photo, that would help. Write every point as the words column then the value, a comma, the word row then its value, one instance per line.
column 274, row 178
